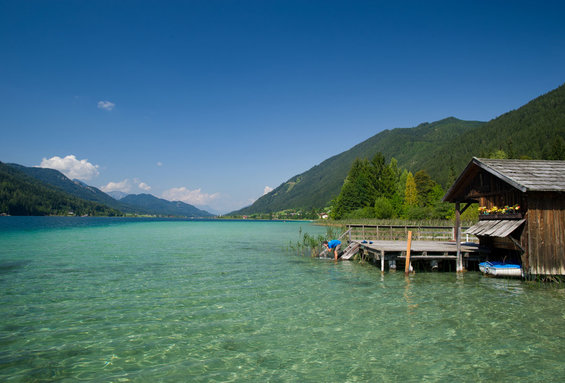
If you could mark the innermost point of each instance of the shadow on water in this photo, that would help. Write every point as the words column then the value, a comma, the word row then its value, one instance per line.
column 9, row 267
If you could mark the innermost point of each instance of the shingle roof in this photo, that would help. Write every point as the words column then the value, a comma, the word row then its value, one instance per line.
column 527, row 175
column 524, row 175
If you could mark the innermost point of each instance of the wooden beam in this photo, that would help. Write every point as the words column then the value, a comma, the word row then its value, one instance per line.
column 430, row 257
column 466, row 207
column 517, row 244
column 407, row 267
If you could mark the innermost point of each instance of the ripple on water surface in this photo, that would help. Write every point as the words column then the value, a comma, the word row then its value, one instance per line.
column 124, row 300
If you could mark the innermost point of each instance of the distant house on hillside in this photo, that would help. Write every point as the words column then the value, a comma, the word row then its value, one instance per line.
column 522, row 210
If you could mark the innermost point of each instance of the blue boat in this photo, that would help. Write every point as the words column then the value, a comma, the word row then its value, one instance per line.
column 500, row 269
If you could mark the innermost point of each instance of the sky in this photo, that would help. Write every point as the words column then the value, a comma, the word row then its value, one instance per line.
column 215, row 102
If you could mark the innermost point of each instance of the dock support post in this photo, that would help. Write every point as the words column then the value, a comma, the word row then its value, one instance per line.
column 382, row 261
column 391, row 263
column 407, row 267
column 459, row 266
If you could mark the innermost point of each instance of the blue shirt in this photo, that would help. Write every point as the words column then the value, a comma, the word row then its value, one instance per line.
column 333, row 243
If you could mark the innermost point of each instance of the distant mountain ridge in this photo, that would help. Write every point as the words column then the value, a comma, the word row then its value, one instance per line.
column 149, row 204
column 442, row 148
column 50, row 179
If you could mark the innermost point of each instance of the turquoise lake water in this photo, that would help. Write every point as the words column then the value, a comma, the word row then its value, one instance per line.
column 119, row 300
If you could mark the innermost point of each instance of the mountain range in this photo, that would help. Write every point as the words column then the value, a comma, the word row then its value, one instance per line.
column 442, row 148
column 37, row 182
column 149, row 204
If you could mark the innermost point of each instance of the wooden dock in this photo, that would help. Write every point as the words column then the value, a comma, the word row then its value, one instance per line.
column 391, row 251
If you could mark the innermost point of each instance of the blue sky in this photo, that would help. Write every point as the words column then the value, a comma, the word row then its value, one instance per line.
column 211, row 102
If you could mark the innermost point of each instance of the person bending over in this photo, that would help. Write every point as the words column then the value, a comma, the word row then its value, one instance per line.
column 334, row 245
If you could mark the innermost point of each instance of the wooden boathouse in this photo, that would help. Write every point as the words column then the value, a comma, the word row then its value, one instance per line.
column 522, row 211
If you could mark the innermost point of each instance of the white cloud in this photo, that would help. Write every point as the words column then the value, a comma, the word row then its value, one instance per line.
column 71, row 167
column 267, row 190
column 127, row 186
column 193, row 197
column 159, row 163
column 123, row 186
column 106, row 105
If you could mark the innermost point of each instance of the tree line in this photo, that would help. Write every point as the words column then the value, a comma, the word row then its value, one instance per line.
column 376, row 189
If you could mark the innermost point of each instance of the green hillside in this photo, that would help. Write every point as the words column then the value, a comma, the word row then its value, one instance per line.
column 41, row 191
column 442, row 149
column 534, row 131
column 317, row 186
column 21, row 194
column 59, row 181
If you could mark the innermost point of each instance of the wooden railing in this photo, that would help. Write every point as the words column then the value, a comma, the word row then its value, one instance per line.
column 345, row 233
column 400, row 232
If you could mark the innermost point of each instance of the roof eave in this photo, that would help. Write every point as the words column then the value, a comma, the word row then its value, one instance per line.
column 497, row 174
column 448, row 197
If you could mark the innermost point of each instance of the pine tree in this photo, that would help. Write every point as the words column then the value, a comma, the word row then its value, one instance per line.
column 425, row 186
column 557, row 150
column 411, row 193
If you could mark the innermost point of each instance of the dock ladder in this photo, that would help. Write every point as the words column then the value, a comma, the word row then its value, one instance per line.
column 350, row 250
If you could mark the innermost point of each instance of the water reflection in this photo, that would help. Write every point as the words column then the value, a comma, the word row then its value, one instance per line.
column 408, row 297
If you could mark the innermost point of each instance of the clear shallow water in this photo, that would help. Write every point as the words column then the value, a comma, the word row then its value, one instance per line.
column 141, row 300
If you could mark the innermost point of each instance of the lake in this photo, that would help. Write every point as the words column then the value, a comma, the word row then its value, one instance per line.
column 146, row 300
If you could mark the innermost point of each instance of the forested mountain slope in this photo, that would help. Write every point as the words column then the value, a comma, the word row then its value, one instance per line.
column 317, row 186
column 534, row 131
column 443, row 148
column 33, row 190
column 59, row 181
column 21, row 194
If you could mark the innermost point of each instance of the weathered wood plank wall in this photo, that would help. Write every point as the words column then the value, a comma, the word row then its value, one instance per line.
column 546, row 233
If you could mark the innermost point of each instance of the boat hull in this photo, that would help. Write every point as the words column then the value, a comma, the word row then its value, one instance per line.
column 499, row 269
